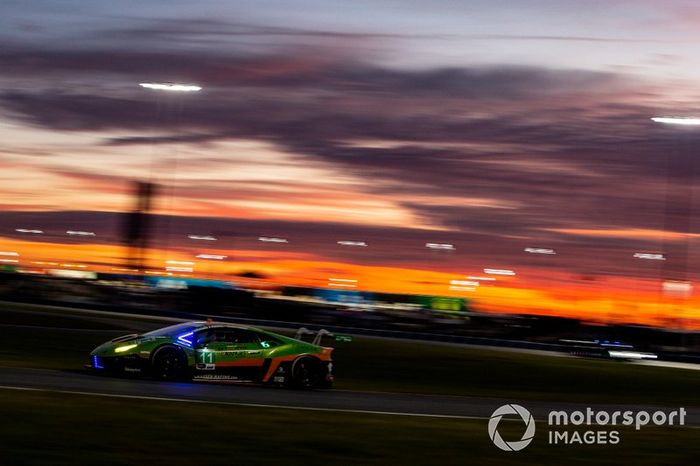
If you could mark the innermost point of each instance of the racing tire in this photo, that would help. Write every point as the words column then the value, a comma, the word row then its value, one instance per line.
column 169, row 363
column 305, row 373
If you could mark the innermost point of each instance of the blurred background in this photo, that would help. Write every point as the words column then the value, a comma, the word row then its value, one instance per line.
column 474, row 170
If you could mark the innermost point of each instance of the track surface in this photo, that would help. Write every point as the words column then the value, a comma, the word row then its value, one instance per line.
column 330, row 400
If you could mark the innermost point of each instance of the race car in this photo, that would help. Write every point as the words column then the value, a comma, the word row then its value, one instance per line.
column 605, row 349
column 217, row 351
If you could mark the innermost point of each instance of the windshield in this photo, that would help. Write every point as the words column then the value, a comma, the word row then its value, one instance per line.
column 172, row 330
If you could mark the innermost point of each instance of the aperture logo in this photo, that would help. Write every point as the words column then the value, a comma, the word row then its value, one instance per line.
column 584, row 426
column 496, row 419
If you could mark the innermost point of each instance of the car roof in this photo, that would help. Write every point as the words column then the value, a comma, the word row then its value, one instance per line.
column 201, row 324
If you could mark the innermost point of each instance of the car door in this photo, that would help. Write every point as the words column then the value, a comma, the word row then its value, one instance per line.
column 229, row 352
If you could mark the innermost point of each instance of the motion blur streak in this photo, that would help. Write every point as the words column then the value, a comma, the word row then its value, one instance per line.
column 303, row 142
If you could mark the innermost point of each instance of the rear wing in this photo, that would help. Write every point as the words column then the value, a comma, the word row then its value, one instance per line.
column 318, row 335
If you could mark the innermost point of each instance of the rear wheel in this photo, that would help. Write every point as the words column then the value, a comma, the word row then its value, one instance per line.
column 306, row 372
column 169, row 363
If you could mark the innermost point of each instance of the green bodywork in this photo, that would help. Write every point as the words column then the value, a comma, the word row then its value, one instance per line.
column 209, row 348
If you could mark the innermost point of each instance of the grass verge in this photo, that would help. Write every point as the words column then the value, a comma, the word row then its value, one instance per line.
column 61, row 429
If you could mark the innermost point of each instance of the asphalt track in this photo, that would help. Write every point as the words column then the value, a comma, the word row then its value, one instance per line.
column 369, row 403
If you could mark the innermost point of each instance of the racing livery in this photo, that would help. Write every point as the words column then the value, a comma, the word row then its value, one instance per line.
column 217, row 351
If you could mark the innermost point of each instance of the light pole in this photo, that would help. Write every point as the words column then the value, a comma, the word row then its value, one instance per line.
column 678, row 213
column 178, row 88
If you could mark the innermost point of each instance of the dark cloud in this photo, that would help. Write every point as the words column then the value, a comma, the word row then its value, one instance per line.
column 204, row 29
column 320, row 68
column 561, row 148
column 207, row 30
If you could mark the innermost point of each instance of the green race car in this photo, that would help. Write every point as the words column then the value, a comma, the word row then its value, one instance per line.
column 215, row 351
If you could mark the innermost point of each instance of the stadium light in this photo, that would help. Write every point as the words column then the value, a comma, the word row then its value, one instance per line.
column 442, row 246
column 498, row 272
column 172, row 87
column 649, row 256
column 688, row 121
column 202, row 237
column 464, row 283
column 29, row 230
column 540, row 251
column 462, row 288
column 217, row 257
column 342, row 282
column 268, row 239
column 179, row 269
column 80, row 233
column 352, row 243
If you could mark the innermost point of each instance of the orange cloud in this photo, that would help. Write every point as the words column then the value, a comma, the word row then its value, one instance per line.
column 635, row 233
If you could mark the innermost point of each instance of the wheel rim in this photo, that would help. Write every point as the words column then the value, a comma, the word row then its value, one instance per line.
column 168, row 365
column 305, row 374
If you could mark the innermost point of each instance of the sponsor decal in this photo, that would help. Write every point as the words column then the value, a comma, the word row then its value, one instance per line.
column 206, row 367
column 205, row 357
column 216, row 377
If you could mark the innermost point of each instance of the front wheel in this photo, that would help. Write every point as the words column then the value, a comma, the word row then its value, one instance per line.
column 306, row 372
column 169, row 364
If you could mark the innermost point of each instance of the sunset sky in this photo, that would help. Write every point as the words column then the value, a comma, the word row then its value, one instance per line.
column 493, row 126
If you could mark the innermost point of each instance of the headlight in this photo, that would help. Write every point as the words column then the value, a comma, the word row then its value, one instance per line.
column 121, row 349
